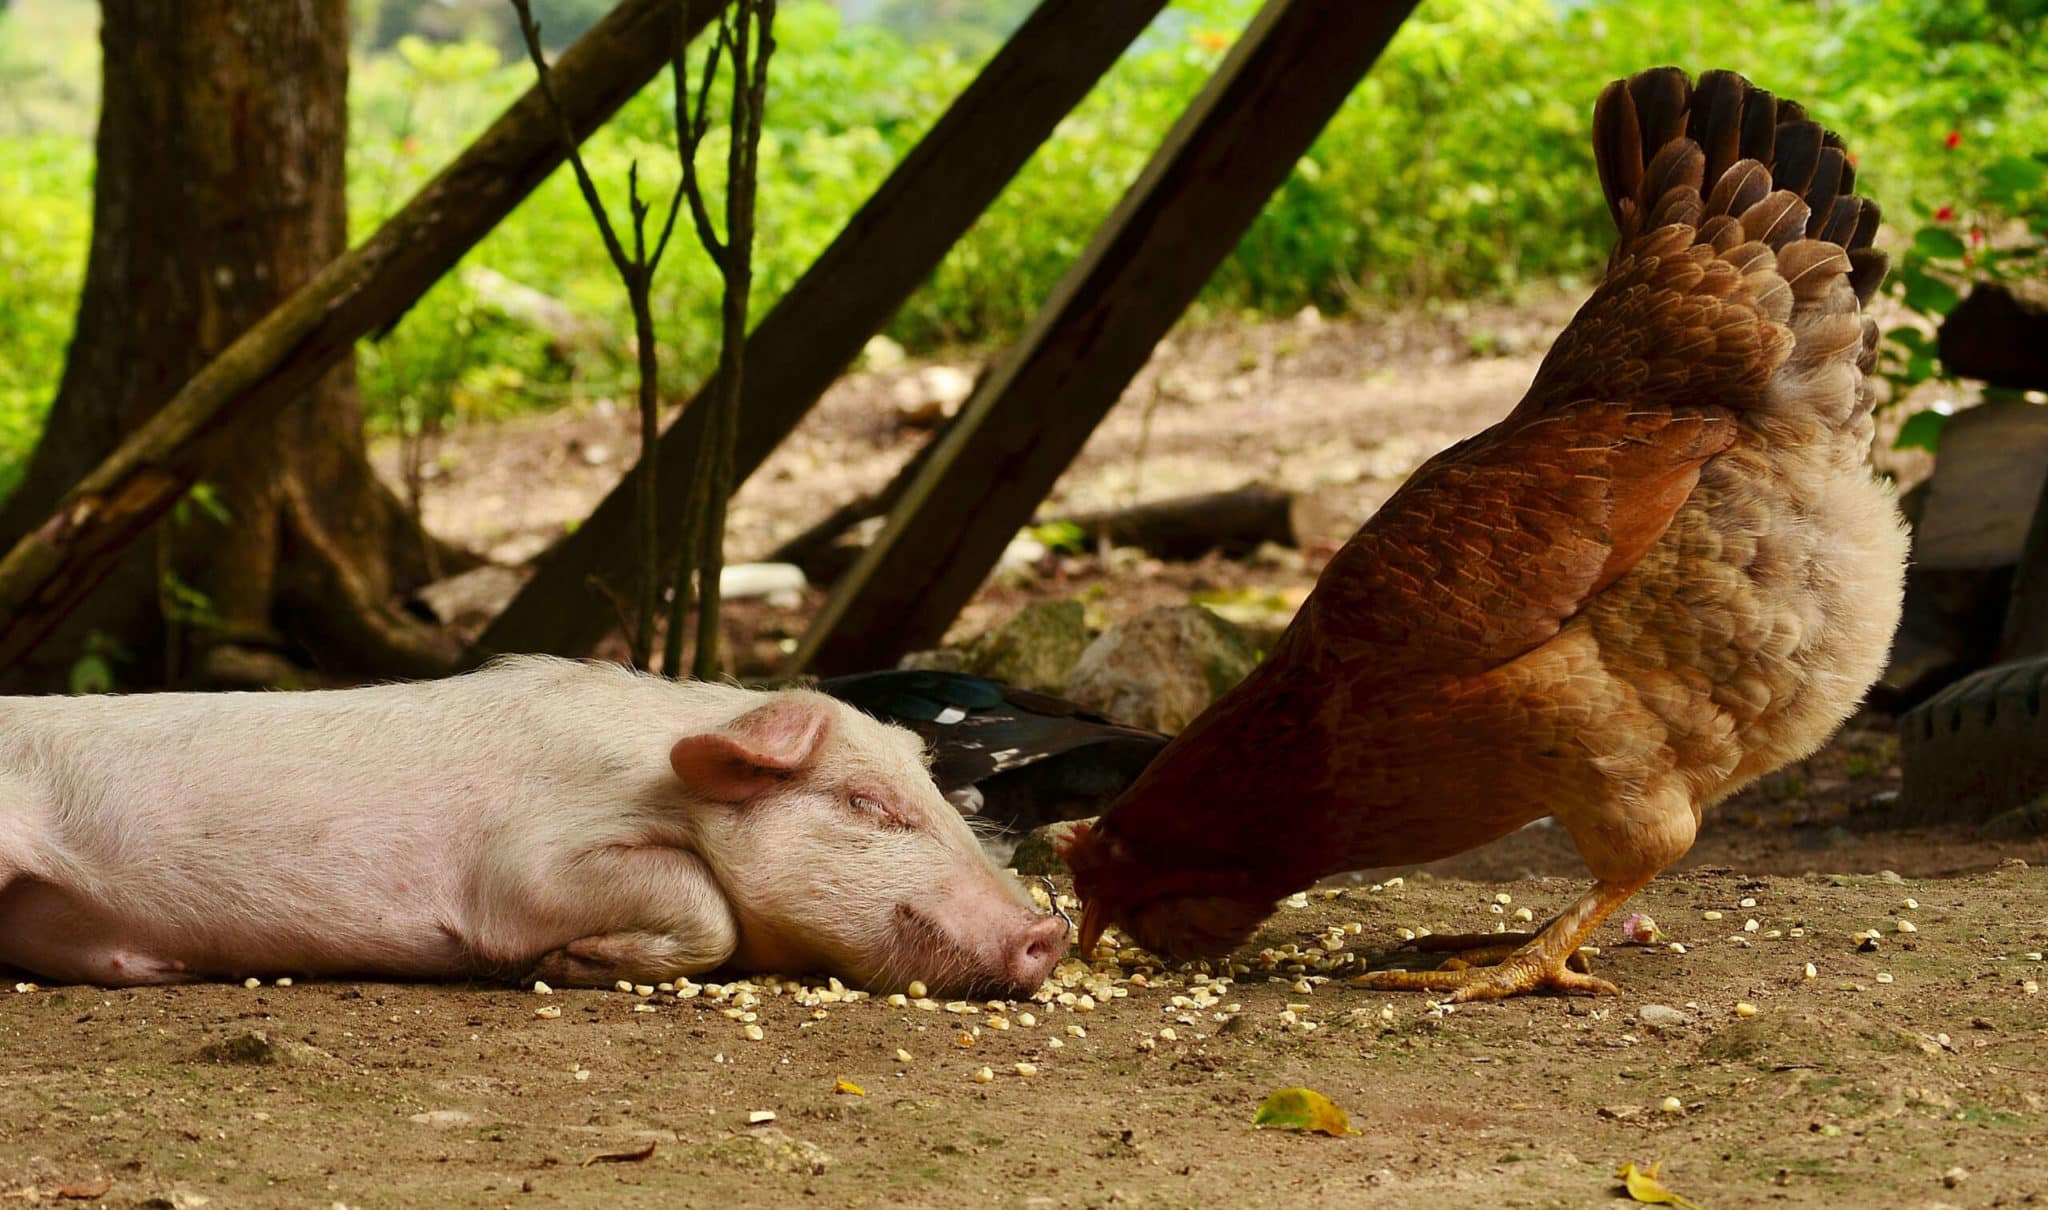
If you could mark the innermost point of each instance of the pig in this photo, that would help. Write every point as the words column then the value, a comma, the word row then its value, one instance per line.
column 539, row 818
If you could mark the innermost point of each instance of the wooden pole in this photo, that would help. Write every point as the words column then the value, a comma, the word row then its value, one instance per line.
column 54, row 566
column 818, row 327
column 1237, row 142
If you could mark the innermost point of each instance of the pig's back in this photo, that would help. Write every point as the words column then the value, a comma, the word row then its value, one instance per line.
column 327, row 821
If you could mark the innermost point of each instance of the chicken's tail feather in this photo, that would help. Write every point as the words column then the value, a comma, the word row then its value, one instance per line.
column 1703, row 178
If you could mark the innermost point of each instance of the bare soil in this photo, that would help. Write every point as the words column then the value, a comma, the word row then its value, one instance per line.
column 1911, row 1075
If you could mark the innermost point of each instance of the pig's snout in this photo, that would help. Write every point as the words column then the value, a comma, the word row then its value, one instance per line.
column 1008, row 956
column 1038, row 947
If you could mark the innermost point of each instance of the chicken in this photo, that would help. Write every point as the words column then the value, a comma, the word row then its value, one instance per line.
column 1668, row 571
column 1011, row 759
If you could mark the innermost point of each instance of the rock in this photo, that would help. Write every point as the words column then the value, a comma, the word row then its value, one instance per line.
column 766, row 1149
column 256, row 1048
column 443, row 1117
column 1039, row 852
column 1036, row 649
column 472, row 598
column 1663, row 1016
column 1161, row 668
column 937, row 659
column 931, row 395
column 881, row 353
column 740, row 581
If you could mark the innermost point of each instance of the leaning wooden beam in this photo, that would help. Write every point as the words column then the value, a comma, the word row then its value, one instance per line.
column 52, row 568
column 1238, row 141
column 818, row 327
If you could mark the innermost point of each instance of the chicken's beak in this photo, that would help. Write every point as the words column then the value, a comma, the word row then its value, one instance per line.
column 1091, row 927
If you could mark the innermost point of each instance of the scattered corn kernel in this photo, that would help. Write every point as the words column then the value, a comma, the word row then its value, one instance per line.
column 1026, row 1069
column 252, row 982
column 1907, row 926
column 542, row 989
column 1744, row 1008
column 549, row 1011
column 1027, row 1020
column 757, row 1116
column 1524, row 915
column 753, row 1033
column 917, row 990
column 1751, row 925
column 1169, row 1035
column 1676, row 947
column 1912, row 902
column 1812, row 971
column 645, row 1008
column 1884, row 977
column 285, row 982
column 1055, row 1044
column 1076, row 1031
column 1672, row 1105
column 902, row 1055
column 2030, row 987
column 622, row 985
column 985, row 1075
column 1710, row 915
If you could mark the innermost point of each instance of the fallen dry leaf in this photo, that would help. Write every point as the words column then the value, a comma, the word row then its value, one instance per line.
column 1643, row 1186
column 1303, row 1109
column 622, row 1157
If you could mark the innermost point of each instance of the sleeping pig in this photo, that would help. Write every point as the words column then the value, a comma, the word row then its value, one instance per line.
column 540, row 818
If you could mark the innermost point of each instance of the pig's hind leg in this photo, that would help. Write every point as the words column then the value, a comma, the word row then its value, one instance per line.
column 659, row 914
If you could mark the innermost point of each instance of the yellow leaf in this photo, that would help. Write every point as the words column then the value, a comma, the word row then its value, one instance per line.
column 850, row 1088
column 1643, row 1186
column 1303, row 1109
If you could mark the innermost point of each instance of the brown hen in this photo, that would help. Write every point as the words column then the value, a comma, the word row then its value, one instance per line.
column 1668, row 571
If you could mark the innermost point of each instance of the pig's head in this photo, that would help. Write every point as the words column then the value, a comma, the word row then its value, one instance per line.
column 839, row 854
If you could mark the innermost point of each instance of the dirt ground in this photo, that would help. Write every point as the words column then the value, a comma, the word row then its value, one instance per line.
column 1911, row 1074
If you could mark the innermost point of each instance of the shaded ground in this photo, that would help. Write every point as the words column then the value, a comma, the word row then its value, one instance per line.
column 1912, row 1076
column 1845, row 1089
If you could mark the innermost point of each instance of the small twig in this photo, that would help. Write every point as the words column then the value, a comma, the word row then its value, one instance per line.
column 637, row 271
column 745, row 36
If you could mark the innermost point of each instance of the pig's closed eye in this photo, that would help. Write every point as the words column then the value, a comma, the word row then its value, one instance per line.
column 877, row 810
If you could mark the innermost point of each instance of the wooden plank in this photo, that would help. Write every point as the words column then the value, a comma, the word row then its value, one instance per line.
column 56, row 564
column 815, row 330
column 1237, row 142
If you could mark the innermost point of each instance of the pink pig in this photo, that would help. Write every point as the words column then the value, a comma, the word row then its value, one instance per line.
column 578, row 823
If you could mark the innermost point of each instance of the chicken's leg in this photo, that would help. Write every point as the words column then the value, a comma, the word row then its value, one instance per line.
column 1541, row 962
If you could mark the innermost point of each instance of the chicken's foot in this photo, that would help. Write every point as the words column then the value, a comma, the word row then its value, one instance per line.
column 1487, row 949
column 1542, row 961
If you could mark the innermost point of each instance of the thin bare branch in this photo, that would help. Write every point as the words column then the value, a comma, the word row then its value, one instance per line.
column 530, row 31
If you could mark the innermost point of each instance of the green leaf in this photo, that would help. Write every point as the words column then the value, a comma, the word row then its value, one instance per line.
column 1303, row 1109
column 92, row 674
column 1930, row 295
column 2009, row 178
column 1922, row 431
column 1062, row 536
column 1909, row 338
column 1939, row 243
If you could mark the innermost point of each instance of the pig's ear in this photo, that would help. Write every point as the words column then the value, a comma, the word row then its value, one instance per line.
column 756, row 752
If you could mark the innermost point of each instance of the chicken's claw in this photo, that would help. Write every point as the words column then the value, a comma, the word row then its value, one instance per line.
column 1511, row 978
column 1490, row 966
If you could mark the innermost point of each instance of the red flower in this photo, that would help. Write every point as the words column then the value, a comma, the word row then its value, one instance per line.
column 1945, row 214
column 1954, row 140
column 1977, row 237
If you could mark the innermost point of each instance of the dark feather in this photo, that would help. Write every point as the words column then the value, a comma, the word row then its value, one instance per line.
column 1033, row 758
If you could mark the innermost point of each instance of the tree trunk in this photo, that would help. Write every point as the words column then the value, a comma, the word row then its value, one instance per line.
column 220, row 190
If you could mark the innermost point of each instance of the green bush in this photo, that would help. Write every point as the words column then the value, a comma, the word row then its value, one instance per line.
column 1459, row 168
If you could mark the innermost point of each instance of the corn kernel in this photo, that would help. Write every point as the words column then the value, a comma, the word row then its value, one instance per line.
column 985, row 1075
column 1744, row 1008
column 549, row 1012
column 753, row 1033
column 902, row 1055
column 917, row 990
column 1026, row 1069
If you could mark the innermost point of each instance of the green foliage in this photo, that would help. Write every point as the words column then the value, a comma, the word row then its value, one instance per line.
column 1460, row 167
